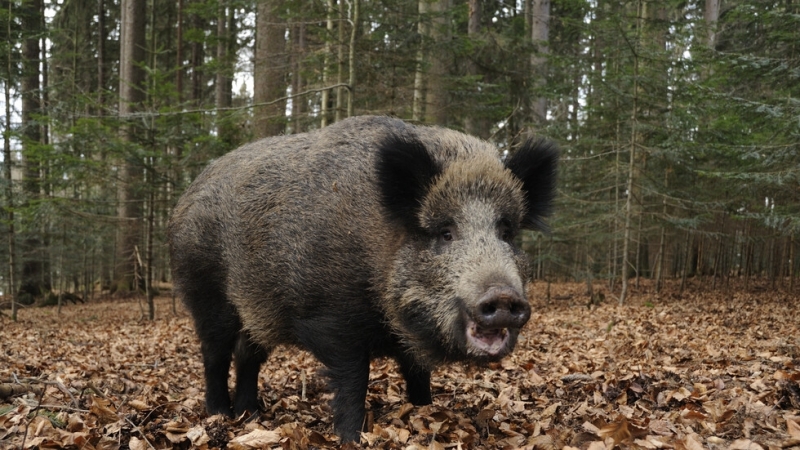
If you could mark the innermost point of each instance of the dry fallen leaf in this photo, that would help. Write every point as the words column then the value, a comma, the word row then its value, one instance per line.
column 655, row 381
column 256, row 439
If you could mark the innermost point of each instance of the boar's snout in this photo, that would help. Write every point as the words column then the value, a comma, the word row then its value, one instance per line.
column 502, row 307
column 495, row 321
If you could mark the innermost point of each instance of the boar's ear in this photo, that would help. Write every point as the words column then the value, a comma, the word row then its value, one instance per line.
column 405, row 171
column 535, row 164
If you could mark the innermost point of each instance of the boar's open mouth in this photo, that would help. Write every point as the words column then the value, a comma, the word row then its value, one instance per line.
column 493, row 342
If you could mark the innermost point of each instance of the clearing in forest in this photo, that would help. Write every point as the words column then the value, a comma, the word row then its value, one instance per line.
column 695, row 370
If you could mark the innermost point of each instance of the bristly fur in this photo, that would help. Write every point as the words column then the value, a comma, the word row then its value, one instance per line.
column 367, row 238
column 405, row 170
column 535, row 165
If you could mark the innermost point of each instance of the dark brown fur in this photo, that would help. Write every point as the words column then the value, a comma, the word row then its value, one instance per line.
column 368, row 238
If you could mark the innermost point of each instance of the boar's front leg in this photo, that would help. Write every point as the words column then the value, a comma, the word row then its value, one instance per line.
column 418, row 381
column 348, row 380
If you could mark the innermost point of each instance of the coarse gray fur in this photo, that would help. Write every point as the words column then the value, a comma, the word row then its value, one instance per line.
column 339, row 242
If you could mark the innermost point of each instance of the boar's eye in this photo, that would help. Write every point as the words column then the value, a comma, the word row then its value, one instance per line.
column 446, row 234
column 505, row 231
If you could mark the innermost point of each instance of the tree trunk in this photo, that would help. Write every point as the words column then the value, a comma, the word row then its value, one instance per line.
column 131, row 97
column 32, row 281
column 626, row 239
column 179, row 53
column 436, row 104
column 269, row 80
column 791, row 262
column 711, row 16
column 687, row 256
column 352, row 57
column 340, row 63
column 8, row 162
column 420, row 78
column 326, row 67
column 663, row 240
column 198, row 55
column 477, row 126
column 298, row 83
column 101, row 55
column 540, row 35
column 223, row 83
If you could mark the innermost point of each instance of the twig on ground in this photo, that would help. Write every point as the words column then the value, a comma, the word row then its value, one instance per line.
column 141, row 433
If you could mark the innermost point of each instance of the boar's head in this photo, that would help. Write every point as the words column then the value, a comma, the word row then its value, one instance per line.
column 456, row 285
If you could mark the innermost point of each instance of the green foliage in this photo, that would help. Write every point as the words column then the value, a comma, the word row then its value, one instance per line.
column 715, row 129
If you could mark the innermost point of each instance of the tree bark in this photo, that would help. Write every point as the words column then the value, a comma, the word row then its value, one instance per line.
column 420, row 78
column 101, row 55
column 626, row 239
column 198, row 55
column 131, row 97
column 340, row 64
column 269, row 80
column 223, row 83
column 477, row 126
column 540, row 35
column 711, row 16
column 352, row 60
column 32, row 280
column 436, row 104
column 179, row 53
column 791, row 262
column 298, row 83
column 326, row 67
column 8, row 162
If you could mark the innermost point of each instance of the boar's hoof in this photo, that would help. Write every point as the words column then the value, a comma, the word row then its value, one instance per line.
column 501, row 311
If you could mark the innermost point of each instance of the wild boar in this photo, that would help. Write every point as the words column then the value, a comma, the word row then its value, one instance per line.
column 368, row 238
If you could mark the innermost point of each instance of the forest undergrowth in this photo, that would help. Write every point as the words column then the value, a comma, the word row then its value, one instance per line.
column 692, row 370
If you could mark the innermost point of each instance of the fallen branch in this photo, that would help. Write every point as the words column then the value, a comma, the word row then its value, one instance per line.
column 10, row 389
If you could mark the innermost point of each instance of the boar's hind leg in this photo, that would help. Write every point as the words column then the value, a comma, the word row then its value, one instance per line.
column 247, row 358
column 418, row 382
column 217, row 327
column 349, row 379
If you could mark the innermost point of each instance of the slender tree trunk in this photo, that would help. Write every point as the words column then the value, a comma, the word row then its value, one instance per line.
column 423, row 29
column 179, row 53
column 687, row 252
column 148, row 280
column 436, row 96
column 269, row 84
column 326, row 66
column 711, row 16
column 8, row 162
column 101, row 56
column 662, row 245
column 298, row 83
column 223, row 83
column 631, row 166
column 340, row 106
column 477, row 126
column 718, row 256
column 638, row 266
column 131, row 97
column 198, row 55
column 32, row 280
column 352, row 82
column 792, row 257
column 540, row 36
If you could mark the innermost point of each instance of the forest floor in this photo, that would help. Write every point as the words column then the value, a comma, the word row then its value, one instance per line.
column 685, row 371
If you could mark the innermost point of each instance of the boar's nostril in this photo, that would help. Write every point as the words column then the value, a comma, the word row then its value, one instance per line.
column 502, row 308
column 488, row 309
